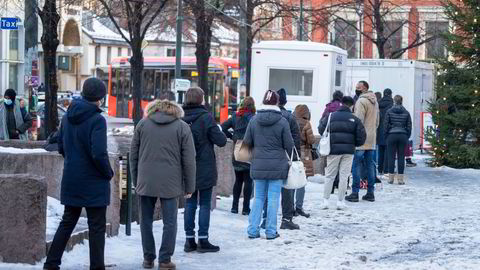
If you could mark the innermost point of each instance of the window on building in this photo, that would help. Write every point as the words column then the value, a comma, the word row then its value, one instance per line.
column 97, row 55
column 346, row 37
column 297, row 82
column 436, row 48
column 13, row 45
column 394, row 41
column 119, row 51
column 13, row 76
column 171, row 52
column 109, row 55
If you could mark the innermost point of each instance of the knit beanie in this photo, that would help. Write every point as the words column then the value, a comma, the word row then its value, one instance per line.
column 282, row 96
column 11, row 94
column 93, row 90
column 270, row 98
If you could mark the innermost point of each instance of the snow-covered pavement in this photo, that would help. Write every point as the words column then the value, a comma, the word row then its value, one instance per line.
column 431, row 223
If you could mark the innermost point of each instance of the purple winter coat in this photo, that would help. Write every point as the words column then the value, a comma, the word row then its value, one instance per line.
column 331, row 107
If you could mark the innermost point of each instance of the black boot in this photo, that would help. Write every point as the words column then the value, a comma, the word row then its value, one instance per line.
column 246, row 212
column 287, row 224
column 302, row 213
column 410, row 163
column 190, row 245
column 234, row 210
column 274, row 237
column 352, row 197
column 205, row 246
column 369, row 197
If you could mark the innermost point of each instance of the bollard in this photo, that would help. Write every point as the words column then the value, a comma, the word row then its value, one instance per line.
column 128, row 224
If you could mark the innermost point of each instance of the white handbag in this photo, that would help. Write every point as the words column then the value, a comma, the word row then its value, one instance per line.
column 324, row 145
column 297, row 177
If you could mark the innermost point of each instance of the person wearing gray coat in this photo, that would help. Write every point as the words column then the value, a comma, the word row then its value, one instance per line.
column 162, row 158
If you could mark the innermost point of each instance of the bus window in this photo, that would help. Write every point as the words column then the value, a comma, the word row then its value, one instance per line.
column 127, row 85
column 148, row 80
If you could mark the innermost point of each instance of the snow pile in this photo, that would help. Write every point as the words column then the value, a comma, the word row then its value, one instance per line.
column 12, row 150
column 123, row 131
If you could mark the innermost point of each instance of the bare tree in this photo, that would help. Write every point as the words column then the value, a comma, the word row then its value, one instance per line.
column 138, row 16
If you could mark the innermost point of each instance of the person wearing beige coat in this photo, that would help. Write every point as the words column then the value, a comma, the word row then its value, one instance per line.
column 307, row 139
column 366, row 109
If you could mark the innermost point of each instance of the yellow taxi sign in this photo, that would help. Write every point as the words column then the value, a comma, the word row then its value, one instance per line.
column 235, row 74
column 194, row 74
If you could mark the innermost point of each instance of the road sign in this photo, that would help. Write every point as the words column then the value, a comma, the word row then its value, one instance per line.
column 9, row 23
column 182, row 85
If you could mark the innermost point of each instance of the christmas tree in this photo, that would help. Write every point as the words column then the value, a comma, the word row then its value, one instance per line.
column 456, row 110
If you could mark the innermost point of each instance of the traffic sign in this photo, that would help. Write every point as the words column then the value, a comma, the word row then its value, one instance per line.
column 182, row 85
column 9, row 23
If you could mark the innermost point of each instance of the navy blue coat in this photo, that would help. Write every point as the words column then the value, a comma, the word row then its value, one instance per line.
column 206, row 134
column 268, row 133
column 384, row 105
column 83, row 144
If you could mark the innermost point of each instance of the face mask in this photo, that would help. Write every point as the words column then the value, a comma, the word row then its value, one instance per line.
column 358, row 92
column 8, row 101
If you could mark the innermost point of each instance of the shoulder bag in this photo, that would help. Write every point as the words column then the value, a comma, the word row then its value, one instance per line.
column 324, row 144
column 297, row 177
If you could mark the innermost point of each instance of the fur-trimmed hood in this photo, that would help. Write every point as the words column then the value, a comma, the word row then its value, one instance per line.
column 163, row 111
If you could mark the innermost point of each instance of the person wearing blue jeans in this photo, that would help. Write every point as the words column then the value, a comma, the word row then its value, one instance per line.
column 264, row 189
column 204, row 199
column 365, row 157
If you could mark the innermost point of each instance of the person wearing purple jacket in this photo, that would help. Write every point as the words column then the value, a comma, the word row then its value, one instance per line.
column 331, row 107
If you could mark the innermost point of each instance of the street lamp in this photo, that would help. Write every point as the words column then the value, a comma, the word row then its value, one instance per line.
column 359, row 9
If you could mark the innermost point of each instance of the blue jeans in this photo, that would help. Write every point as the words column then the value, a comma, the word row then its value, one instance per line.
column 359, row 157
column 204, row 198
column 272, row 188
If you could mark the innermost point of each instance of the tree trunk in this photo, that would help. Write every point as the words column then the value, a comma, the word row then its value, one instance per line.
column 250, row 10
column 50, row 18
column 136, row 63
column 204, row 36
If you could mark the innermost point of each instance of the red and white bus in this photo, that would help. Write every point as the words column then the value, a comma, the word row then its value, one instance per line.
column 159, row 75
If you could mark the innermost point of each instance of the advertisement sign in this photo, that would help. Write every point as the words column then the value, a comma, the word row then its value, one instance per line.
column 427, row 126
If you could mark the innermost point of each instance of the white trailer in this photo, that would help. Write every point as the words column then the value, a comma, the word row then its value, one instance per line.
column 413, row 80
column 310, row 72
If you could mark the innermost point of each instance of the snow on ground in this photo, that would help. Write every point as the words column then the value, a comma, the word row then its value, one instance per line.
column 13, row 150
column 430, row 223
column 54, row 216
column 121, row 131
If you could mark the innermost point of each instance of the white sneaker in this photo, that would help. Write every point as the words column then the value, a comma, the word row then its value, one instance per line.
column 341, row 205
column 325, row 204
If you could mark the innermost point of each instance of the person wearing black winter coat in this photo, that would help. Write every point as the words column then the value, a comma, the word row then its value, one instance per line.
column 86, row 174
column 397, row 128
column 206, row 134
column 238, row 123
column 384, row 105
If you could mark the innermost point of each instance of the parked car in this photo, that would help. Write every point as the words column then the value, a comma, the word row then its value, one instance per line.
column 40, row 119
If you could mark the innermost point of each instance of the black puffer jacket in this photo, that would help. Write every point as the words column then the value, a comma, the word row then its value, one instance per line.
column 206, row 134
column 269, row 135
column 398, row 121
column 384, row 105
column 294, row 129
column 346, row 132
column 238, row 123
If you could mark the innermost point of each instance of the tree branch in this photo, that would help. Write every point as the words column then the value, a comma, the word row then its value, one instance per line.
column 109, row 13
column 150, row 21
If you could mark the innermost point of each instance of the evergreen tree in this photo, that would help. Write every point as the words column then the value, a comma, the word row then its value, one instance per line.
column 456, row 110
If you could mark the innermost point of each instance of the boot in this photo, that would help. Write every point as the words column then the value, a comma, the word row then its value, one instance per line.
column 234, row 208
column 274, row 237
column 325, row 204
column 341, row 205
column 400, row 179
column 369, row 197
column 352, row 197
column 287, row 224
column 410, row 163
column 391, row 178
column 246, row 212
column 190, row 245
column 205, row 246
column 302, row 213
column 148, row 264
column 167, row 266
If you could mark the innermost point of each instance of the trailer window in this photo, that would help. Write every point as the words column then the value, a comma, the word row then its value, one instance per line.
column 297, row 82
column 338, row 78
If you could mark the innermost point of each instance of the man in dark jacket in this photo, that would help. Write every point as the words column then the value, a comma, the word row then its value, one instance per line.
column 346, row 133
column 206, row 134
column 162, row 168
column 86, row 174
column 384, row 105
column 14, row 122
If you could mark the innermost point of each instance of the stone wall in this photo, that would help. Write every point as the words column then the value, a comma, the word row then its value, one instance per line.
column 23, row 204
column 226, row 174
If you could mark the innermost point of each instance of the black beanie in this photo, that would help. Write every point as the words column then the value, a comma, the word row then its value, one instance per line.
column 10, row 93
column 93, row 90
column 282, row 97
column 270, row 98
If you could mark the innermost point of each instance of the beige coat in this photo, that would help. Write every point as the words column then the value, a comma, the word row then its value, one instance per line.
column 366, row 109
column 307, row 139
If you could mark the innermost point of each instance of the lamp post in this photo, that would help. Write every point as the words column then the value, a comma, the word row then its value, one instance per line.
column 359, row 9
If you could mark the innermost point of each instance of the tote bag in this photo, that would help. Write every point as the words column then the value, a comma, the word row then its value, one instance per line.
column 324, row 144
column 296, row 174
column 242, row 152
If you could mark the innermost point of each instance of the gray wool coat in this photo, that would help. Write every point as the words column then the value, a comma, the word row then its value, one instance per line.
column 162, row 154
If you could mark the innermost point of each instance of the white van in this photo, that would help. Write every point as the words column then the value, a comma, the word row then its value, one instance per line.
column 310, row 72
